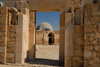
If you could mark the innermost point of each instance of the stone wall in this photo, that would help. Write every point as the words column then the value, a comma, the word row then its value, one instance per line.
column 91, row 35
column 11, row 37
column 3, row 33
column 11, row 42
column 78, row 44
column 43, row 39
column 39, row 37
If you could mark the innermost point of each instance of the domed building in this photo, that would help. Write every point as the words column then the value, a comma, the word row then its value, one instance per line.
column 45, row 35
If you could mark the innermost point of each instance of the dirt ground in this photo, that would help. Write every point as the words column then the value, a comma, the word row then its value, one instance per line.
column 46, row 56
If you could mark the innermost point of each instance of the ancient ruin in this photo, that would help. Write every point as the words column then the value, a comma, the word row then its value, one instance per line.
column 79, row 38
column 45, row 35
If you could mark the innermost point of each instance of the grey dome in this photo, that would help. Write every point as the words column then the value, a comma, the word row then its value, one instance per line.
column 44, row 26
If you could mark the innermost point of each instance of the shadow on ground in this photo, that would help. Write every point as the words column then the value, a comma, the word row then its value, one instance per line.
column 41, row 61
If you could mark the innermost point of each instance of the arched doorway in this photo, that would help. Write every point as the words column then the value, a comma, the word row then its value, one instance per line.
column 50, row 38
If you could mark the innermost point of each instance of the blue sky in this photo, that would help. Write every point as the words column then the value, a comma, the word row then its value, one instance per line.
column 52, row 18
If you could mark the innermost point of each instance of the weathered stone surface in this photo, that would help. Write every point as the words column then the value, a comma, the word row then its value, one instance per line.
column 87, row 37
column 2, row 55
column 87, row 8
column 77, row 64
column 98, row 28
column 87, row 28
column 78, row 28
column 87, row 54
column 87, row 14
column 94, row 28
column 4, row 10
column 2, row 49
column 95, row 7
column 88, row 48
column 78, row 53
column 78, row 47
column 68, row 61
column 95, row 20
column 10, row 55
column 79, row 41
column 12, row 28
column 87, row 21
column 97, row 35
column 77, row 58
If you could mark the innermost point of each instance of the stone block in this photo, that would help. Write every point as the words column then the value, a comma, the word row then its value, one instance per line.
column 11, row 50
column 95, row 43
column 78, row 28
column 3, row 34
column 10, row 60
column 2, row 49
column 10, row 55
column 87, row 14
column 94, row 28
column 3, row 20
column 87, row 21
column 10, row 39
column 4, row 10
column 77, row 47
column 87, row 43
column 95, row 20
column 87, row 37
column 98, row 54
column 68, row 61
column 87, row 8
column 78, row 53
column 3, row 28
column 10, row 44
column 93, row 63
column 2, row 39
column 77, row 64
column 88, row 48
column 87, row 28
column 95, row 7
column 11, row 34
column 87, row 54
column 25, row 11
column 95, row 13
column 2, row 44
column 98, row 28
column 96, row 48
column 76, row 58
column 78, row 35
column 79, row 41
column 2, row 55
column 47, row 4
column 2, row 60
column 97, row 35
column 94, row 54
column 96, row 59
column 12, row 28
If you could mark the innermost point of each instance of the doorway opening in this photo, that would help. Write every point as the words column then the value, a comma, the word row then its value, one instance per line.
column 51, row 38
column 47, row 37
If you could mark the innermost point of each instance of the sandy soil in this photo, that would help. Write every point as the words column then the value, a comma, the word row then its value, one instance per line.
column 46, row 56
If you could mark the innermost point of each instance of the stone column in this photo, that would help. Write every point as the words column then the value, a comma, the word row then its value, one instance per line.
column 3, row 33
column 68, row 39
column 22, row 38
column 62, row 36
column 32, row 36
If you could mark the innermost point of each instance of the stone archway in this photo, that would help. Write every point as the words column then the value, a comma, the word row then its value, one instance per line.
column 50, row 38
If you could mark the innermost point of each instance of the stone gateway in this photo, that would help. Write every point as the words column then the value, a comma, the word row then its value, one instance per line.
column 79, row 40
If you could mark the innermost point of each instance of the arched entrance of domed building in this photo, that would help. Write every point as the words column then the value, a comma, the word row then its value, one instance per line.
column 50, row 38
